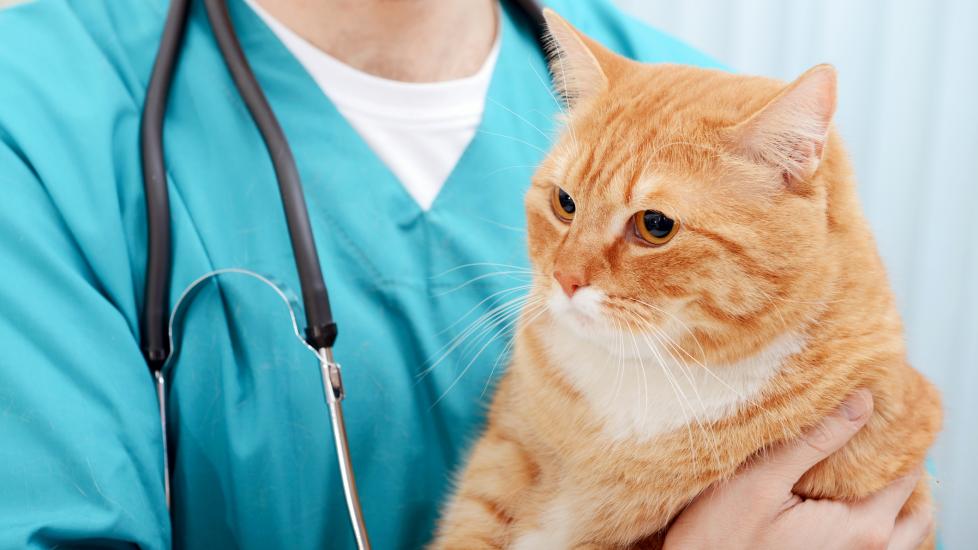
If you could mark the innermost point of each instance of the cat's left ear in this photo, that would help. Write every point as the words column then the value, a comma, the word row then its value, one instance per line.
column 578, row 64
column 790, row 131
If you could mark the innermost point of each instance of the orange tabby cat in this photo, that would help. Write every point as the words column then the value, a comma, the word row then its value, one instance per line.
column 713, row 289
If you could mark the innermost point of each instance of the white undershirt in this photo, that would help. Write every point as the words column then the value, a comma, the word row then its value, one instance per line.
column 419, row 130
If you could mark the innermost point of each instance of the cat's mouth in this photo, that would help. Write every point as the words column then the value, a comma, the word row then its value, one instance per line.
column 584, row 318
column 581, row 312
column 590, row 315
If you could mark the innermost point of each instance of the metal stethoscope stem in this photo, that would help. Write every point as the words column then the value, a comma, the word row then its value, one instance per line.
column 161, row 399
column 333, row 391
column 331, row 378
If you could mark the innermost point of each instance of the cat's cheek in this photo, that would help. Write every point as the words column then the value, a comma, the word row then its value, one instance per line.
column 542, row 234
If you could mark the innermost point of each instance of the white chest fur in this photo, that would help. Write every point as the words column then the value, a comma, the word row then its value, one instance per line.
column 648, row 388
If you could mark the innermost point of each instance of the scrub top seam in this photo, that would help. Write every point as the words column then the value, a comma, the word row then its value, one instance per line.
column 175, row 192
column 378, row 278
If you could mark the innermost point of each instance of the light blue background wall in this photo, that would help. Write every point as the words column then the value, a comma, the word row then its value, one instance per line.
column 908, row 110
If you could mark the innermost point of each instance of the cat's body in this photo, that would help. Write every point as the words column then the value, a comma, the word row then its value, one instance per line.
column 659, row 371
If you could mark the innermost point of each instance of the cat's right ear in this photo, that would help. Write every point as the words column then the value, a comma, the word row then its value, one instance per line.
column 790, row 132
column 577, row 63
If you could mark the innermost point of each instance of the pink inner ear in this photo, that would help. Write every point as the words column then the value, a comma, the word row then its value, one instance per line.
column 789, row 133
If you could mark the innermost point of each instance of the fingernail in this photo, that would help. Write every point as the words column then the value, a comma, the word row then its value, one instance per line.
column 857, row 406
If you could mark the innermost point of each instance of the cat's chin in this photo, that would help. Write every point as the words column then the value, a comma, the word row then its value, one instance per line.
column 581, row 313
column 582, row 317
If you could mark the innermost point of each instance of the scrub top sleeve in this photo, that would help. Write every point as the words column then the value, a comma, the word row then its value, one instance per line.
column 80, row 451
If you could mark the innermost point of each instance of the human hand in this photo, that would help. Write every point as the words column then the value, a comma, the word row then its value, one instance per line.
column 756, row 509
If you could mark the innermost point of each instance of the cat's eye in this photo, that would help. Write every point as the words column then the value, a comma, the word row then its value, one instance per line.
column 654, row 227
column 562, row 204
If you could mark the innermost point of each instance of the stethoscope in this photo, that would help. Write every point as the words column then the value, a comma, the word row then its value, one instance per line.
column 320, row 330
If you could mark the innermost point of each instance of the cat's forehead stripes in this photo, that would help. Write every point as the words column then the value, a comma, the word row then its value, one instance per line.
column 656, row 142
column 598, row 172
column 628, row 182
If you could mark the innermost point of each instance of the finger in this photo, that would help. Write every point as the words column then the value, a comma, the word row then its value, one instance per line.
column 911, row 531
column 789, row 462
column 884, row 505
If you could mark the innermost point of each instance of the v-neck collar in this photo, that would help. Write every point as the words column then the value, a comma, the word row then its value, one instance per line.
column 359, row 208
column 511, row 126
column 372, row 181
column 420, row 130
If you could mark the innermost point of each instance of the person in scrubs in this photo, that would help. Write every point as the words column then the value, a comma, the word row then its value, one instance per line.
column 416, row 126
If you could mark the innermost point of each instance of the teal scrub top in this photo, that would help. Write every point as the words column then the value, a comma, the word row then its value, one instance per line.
column 250, row 445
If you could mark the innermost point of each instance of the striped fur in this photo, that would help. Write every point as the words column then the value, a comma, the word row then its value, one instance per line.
column 771, row 291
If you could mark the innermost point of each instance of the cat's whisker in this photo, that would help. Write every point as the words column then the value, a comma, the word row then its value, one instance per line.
column 689, row 355
column 510, row 290
column 472, row 361
column 768, row 297
column 674, row 318
column 513, row 228
column 507, row 317
column 752, row 401
column 514, row 138
column 540, row 310
column 520, row 117
column 509, row 314
column 672, row 385
column 488, row 175
column 669, row 344
column 675, row 382
column 504, row 354
column 748, row 400
column 559, row 104
column 675, row 345
column 658, row 335
column 481, row 264
column 645, row 376
column 502, row 310
column 504, row 273
column 620, row 371
column 664, row 365
column 547, row 87
column 707, row 433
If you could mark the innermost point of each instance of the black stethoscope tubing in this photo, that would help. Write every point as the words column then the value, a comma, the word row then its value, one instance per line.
column 321, row 329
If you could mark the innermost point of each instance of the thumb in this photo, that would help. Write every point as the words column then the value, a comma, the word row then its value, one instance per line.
column 789, row 462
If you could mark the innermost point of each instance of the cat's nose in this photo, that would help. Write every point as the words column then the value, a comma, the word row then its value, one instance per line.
column 570, row 282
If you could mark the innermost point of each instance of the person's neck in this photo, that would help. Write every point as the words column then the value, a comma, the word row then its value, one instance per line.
column 407, row 40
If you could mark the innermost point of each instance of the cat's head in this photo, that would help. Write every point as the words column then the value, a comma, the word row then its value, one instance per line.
column 681, row 201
